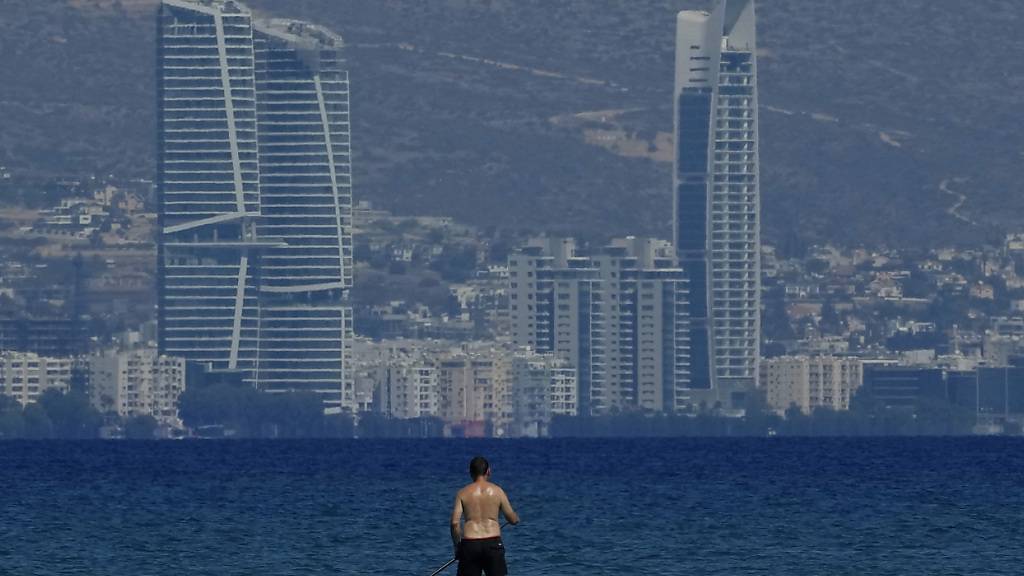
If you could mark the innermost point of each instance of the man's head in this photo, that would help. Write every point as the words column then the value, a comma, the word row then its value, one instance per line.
column 479, row 467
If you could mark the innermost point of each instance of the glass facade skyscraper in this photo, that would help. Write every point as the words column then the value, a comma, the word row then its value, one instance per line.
column 716, row 191
column 305, row 203
column 208, row 186
column 255, row 203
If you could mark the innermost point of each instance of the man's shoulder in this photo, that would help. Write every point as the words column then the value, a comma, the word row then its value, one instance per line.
column 497, row 489
column 468, row 488
column 474, row 486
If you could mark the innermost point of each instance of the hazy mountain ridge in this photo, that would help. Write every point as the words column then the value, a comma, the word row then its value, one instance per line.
column 867, row 108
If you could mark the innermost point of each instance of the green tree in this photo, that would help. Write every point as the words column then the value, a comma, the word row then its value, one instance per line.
column 230, row 405
column 250, row 413
column 830, row 320
column 37, row 422
column 12, row 423
column 71, row 414
column 142, row 427
column 797, row 423
column 291, row 415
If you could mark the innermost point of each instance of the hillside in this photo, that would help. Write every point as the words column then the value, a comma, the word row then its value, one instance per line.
column 882, row 122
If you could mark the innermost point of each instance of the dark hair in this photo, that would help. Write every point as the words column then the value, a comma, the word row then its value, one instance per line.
column 478, row 467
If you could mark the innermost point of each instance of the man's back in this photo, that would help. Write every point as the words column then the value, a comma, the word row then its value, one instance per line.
column 481, row 503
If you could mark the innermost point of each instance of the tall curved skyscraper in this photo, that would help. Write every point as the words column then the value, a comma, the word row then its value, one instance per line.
column 717, row 193
column 302, row 108
column 255, row 199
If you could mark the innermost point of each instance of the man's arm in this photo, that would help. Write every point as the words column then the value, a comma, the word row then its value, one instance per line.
column 457, row 523
column 506, row 509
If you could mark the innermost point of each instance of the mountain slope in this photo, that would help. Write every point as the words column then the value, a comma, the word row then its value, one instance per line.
column 868, row 107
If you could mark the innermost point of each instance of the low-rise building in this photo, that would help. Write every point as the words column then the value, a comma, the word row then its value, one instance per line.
column 810, row 382
column 137, row 382
column 480, row 388
column 543, row 386
column 903, row 386
column 24, row 376
column 474, row 391
column 410, row 389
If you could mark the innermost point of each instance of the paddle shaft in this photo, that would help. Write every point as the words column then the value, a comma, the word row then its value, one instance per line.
column 443, row 568
column 452, row 561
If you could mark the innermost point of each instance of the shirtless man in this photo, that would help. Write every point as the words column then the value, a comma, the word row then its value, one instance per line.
column 478, row 547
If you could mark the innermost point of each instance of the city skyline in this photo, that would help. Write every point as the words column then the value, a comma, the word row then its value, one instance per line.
column 256, row 261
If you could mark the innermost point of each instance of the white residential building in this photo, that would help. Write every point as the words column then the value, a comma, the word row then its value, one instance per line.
column 474, row 390
column 24, row 376
column 618, row 315
column 477, row 388
column 137, row 382
column 410, row 389
column 810, row 382
column 542, row 386
column 716, row 195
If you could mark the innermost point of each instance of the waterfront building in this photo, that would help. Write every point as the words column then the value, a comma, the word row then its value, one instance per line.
column 542, row 386
column 716, row 197
column 810, row 382
column 477, row 388
column 137, row 382
column 618, row 316
column 474, row 391
column 24, row 376
column 398, row 378
column 410, row 390
column 992, row 392
column 255, row 209
column 552, row 307
column 403, row 376
column 904, row 386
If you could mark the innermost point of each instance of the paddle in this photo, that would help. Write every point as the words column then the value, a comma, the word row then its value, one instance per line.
column 452, row 561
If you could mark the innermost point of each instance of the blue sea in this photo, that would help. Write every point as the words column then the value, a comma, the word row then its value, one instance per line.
column 669, row 506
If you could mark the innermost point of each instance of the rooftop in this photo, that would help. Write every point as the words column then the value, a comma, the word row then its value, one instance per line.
column 699, row 16
column 210, row 6
column 301, row 33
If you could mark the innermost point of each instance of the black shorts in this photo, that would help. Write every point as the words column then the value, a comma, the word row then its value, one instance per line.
column 484, row 556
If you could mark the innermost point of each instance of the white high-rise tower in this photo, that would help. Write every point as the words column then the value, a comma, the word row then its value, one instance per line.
column 716, row 192
column 255, row 197
column 207, row 185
